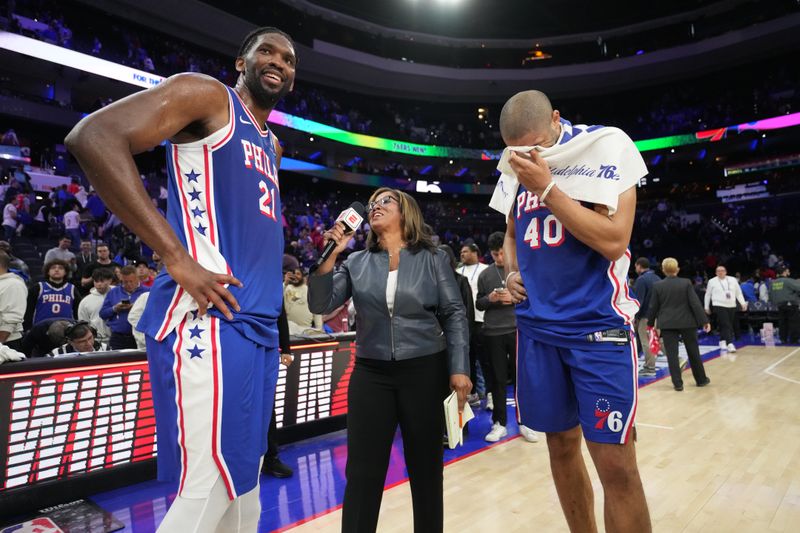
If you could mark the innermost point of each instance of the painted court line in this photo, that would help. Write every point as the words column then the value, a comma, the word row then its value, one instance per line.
column 653, row 426
column 770, row 368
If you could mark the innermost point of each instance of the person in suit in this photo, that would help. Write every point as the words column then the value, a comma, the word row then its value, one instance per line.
column 676, row 312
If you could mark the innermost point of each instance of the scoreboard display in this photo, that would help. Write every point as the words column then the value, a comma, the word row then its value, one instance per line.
column 66, row 420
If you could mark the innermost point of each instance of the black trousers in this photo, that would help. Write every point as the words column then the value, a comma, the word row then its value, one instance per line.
column 502, row 350
column 272, row 438
column 121, row 341
column 789, row 323
column 725, row 318
column 689, row 336
column 381, row 395
column 479, row 354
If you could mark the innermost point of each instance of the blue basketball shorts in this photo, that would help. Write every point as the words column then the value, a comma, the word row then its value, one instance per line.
column 213, row 393
column 559, row 388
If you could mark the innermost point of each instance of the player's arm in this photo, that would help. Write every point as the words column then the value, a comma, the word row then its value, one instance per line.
column 607, row 235
column 183, row 108
column 513, row 277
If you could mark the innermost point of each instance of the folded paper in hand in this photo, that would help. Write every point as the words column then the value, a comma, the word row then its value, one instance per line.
column 453, row 422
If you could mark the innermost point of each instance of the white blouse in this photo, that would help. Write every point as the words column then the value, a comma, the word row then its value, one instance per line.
column 391, row 288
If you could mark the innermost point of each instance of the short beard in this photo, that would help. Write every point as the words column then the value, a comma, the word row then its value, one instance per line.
column 261, row 96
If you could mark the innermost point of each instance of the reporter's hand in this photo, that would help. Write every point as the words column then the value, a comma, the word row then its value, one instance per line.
column 286, row 359
column 516, row 288
column 707, row 327
column 204, row 286
column 462, row 385
column 494, row 296
column 337, row 234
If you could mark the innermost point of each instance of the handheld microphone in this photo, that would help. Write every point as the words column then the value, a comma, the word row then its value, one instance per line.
column 352, row 217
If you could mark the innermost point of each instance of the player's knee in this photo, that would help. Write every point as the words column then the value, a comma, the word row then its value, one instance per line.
column 564, row 445
column 617, row 470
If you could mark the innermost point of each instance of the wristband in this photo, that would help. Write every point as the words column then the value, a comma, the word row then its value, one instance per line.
column 546, row 191
column 509, row 275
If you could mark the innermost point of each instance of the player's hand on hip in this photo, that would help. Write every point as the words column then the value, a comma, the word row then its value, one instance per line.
column 337, row 234
column 532, row 170
column 462, row 385
column 516, row 288
column 204, row 286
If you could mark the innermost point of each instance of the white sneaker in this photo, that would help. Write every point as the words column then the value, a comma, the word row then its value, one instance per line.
column 528, row 434
column 489, row 402
column 497, row 433
column 731, row 348
column 723, row 346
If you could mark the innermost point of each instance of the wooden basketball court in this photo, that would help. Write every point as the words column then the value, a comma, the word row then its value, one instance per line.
column 724, row 458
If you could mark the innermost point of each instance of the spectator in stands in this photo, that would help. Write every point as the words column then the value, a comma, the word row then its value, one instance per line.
column 44, row 337
column 41, row 222
column 89, row 308
column 10, row 221
column 785, row 294
column 676, row 313
column 295, row 298
column 16, row 265
column 72, row 223
column 749, row 290
column 143, row 272
column 134, row 315
column 54, row 297
column 84, row 258
column 642, row 288
column 62, row 253
column 96, row 208
column 722, row 293
column 103, row 261
column 117, row 304
column 13, row 295
column 81, row 339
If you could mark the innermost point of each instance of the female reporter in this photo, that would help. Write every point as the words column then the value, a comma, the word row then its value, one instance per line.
column 411, row 331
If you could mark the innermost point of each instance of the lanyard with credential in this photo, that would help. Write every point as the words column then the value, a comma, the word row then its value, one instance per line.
column 464, row 269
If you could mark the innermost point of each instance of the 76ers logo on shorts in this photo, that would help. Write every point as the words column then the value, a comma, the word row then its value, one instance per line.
column 605, row 416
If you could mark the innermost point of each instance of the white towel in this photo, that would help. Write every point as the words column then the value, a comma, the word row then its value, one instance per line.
column 589, row 163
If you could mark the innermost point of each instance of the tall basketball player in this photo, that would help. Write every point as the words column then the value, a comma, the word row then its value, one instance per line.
column 212, row 338
column 567, row 263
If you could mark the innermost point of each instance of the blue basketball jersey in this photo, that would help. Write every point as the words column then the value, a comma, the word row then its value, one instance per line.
column 54, row 302
column 573, row 291
column 224, row 205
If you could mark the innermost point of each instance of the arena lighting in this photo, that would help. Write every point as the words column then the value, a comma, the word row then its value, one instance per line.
column 87, row 63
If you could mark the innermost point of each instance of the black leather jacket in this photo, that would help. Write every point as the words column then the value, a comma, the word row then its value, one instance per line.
column 428, row 316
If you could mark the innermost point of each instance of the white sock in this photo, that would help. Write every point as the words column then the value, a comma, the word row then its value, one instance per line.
column 197, row 515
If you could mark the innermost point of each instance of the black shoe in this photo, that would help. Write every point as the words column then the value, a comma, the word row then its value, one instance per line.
column 704, row 383
column 678, row 388
column 276, row 468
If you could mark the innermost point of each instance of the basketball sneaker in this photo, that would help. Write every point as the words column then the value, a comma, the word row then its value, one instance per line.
column 528, row 434
column 731, row 348
column 723, row 346
column 497, row 433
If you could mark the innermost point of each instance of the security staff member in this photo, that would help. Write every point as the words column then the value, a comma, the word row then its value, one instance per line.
column 785, row 293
